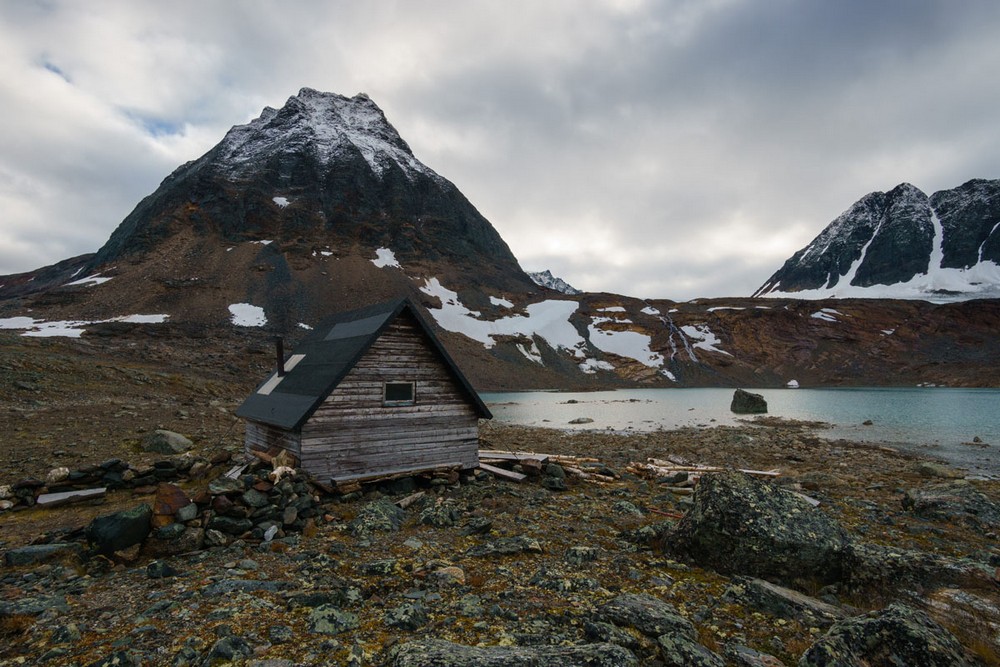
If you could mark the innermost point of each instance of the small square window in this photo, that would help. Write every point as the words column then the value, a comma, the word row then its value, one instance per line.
column 398, row 393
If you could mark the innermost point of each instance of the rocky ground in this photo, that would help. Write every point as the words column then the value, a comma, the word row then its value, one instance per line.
column 897, row 564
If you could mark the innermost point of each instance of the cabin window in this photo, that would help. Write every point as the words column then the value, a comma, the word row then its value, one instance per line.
column 398, row 393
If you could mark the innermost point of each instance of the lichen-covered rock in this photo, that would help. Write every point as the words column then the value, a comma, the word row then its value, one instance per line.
column 438, row 653
column 738, row 524
column 650, row 616
column 380, row 515
column 872, row 567
column 896, row 635
column 121, row 530
column 745, row 403
column 328, row 619
column 505, row 546
column 410, row 617
column 956, row 502
column 440, row 515
column 678, row 651
column 783, row 602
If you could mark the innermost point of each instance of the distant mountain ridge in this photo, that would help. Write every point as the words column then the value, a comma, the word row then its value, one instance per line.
column 902, row 244
column 546, row 279
column 320, row 207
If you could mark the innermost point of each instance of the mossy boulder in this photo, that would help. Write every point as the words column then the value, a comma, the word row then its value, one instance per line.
column 740, row 525
column 896, row 635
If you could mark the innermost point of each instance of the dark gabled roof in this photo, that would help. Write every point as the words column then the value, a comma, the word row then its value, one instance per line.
column 327, row 355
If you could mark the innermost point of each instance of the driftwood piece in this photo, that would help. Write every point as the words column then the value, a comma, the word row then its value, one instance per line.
column 66, row 497
column 403, row 503
column 500, row 472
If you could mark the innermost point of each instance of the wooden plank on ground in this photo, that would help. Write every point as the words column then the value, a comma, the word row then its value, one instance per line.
column 65, row 497
column 500, row 472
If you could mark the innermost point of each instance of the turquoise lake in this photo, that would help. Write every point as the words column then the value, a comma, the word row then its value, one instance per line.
column 935, row 422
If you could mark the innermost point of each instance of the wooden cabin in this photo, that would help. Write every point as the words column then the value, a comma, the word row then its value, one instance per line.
column 369, row 393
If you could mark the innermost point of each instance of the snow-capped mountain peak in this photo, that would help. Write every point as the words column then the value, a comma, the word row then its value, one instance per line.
column 546, row 279
column 902, row 244
column 326, row 125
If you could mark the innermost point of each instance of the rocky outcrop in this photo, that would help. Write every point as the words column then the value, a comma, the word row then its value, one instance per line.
column 738, row 524
column 958, row 502
column 434, row 653
column 896, row 635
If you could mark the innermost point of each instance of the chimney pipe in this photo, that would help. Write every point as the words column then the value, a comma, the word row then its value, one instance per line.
column 279, row 350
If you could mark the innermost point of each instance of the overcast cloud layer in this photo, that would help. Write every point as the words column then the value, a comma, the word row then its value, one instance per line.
column 668, row 149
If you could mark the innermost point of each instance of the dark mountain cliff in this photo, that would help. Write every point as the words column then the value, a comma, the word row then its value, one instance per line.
column 322, row 168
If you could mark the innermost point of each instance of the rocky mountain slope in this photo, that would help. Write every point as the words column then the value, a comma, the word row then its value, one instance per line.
column 903, row 244
column 321, row 206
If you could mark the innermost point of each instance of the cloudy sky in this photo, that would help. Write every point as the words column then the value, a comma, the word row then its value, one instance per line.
column 669, row 149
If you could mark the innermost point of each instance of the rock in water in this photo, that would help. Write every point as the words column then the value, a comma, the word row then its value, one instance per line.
column 745, row 403
column 896, row 635
column 741, row 525
column 121, row 530
column 166, row 442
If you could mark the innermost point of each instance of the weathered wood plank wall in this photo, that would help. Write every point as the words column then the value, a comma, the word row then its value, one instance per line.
column 353, row 434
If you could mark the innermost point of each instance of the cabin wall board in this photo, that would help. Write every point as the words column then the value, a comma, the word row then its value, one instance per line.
column 264, row 438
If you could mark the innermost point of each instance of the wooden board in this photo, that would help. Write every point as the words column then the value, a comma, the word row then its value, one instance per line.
column 500, row 472
column 65, row 497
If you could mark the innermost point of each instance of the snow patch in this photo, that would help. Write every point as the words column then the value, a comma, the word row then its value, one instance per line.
column 631, row 344
column 611, row 309
column 888, row 332
column 70, row 328
column 497, row 301
column 703, row 337
column 649, row 310
column 247, row 315
column 265, row 242
column 591, row 366
column 385, row 257
column 303, row 325
column 546, row 319
column 715, row 308
column 793, row 384
column 282, row 202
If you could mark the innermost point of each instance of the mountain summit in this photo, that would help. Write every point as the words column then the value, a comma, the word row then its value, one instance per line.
column 902, row 244
column 322, row 168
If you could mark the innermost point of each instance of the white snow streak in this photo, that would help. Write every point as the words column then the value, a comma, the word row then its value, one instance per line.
column 282, row 202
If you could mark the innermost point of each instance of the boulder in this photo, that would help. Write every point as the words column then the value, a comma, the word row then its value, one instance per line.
column 162, row 441
column 741, row 525
column 121, row 530
column 955, row 502
column 328, row 619
column 435, row 652
column 896, row 635
column 745, row 403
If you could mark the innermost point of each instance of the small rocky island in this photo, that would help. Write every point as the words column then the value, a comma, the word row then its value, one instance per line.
column 639, row 550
